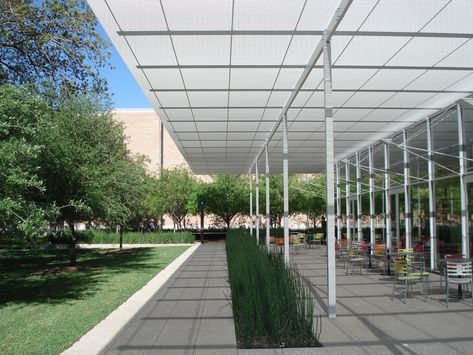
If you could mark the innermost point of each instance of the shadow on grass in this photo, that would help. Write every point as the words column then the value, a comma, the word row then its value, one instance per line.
column 29, row 277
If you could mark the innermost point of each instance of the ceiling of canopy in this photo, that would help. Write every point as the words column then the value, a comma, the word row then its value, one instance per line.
column 219, row 72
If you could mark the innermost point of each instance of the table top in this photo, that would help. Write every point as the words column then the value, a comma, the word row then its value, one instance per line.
column 455, row 260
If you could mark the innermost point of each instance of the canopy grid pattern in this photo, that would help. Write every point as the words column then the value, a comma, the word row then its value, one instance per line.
column 220, row 72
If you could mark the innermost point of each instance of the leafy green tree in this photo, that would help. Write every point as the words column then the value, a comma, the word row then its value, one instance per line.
column 85, row 165
column 21, row 114
column 309, row 195
column 225, row 197
column 176, row 186
column 154, row 199
column 53, row 41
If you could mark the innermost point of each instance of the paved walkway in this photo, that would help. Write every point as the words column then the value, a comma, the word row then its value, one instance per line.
column 368, row 321
column 190, row 314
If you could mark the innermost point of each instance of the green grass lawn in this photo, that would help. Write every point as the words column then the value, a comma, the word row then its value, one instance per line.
column 45, row 307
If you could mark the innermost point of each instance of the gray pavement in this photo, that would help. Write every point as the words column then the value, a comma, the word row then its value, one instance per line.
column 190, row 314
column 369, row 321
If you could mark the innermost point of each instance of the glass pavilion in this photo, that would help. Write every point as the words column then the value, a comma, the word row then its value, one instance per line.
column 375, row 93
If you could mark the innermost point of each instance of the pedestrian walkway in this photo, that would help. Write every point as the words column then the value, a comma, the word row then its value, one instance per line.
column 369, row 321
column 190, row 314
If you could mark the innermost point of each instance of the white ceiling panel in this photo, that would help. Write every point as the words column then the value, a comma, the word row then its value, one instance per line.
column 300, row 49
column 210, row 114
column 153, row 50
column 208, row 98
column 210, row 69
column 410, row 16
column 252, row 78
column 249, row 98
column 202, row 50
column 146, row 15
column 371, row 50
column 426, row 51
column 392, row 79
column 259, row 49
column 164, row 78
column 245, row 114
column 203, row 78
column 267, row 14
column 198, row 14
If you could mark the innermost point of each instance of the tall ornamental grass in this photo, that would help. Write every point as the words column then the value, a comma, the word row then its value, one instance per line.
column 272, row 306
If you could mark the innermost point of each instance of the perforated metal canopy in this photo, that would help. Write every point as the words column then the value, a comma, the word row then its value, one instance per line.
column 219, row 72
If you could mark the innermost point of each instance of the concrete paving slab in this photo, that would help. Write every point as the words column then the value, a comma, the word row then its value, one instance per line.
column 198, row 318
column 98, row 337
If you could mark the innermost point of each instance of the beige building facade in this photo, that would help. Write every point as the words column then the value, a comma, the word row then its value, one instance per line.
column 142, row 128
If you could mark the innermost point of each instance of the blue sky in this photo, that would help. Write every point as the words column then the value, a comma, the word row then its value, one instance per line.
column 125, row 91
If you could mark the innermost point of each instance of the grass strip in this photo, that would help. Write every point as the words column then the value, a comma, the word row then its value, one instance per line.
column 45, row 305
column 271, row 303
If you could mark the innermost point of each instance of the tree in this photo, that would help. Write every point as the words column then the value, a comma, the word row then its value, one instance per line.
column 309, row 196
column 85, row 166
column 176, row 186
column 21, row 114
column 225, row 197
column 53, row 41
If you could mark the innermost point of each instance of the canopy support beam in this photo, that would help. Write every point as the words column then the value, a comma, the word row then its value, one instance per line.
column 329, row 172
column 387, row 197
column 432, row 213
column 463, row 185
column 339, row 201
column 285, row 174
column 371, row 195
column 268, row 224
column 359, row 212
column 257, row 202
column 251, row 201
column 347, row 199
column 407, row 192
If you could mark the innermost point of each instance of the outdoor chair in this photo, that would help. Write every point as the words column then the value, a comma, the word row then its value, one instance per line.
column 379, row 254
column 458, row 273
column 318, row 238
column 406, row 275
column 297, row 241
column 279, row 244
column 441, row 264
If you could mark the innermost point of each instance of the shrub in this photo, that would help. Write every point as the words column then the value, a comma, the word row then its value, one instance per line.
column 108, row 237
column 271, row 302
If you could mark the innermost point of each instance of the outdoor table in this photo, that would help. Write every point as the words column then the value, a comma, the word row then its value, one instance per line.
column 456, row 261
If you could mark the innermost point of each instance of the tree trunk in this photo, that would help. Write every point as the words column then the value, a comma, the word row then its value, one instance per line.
column 121, row 237
column 72, row 245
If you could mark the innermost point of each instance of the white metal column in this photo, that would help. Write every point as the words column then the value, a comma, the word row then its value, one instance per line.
column 329, row 172
column 251, row 201
column 407, row 191
column 268, row 224
column 257, row 202
column 463, row 185
column 359, row 212
column 387, row 196
column 285, row 174
column 432, row 214
column 372, row 206
column 339, row 200
column 347, row 199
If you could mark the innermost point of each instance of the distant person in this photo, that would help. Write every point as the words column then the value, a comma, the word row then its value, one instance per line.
column 151, row 225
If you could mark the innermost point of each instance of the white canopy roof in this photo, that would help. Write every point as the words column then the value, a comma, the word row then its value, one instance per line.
column 219, row 72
